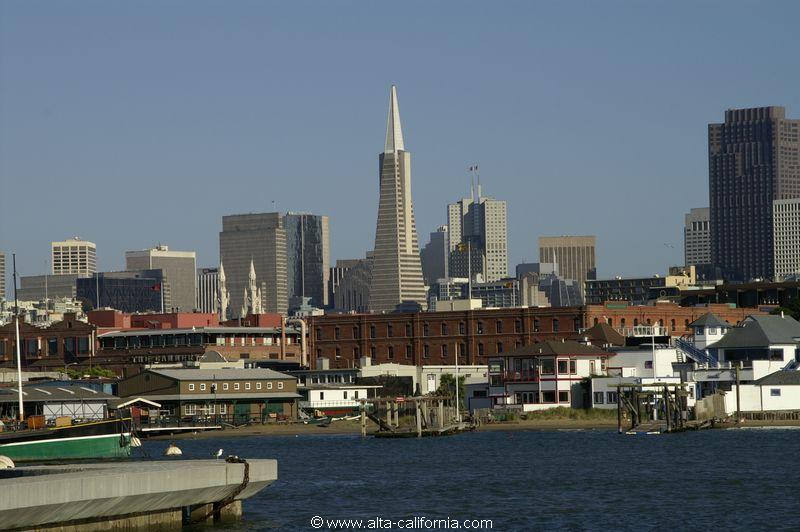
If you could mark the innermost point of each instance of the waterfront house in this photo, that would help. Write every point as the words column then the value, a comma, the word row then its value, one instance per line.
column 50, row 400
column 233, row 395
column 545, row 375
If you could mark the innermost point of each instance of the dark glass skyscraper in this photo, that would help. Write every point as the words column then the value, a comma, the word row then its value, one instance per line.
column 753, row 160
column 307, row 258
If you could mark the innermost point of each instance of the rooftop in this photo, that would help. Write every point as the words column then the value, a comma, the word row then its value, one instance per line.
column 710, row 320
column 761, row 331
column 790, row 377
column 220, row 374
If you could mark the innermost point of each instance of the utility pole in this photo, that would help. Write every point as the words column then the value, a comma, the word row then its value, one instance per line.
column 738, row 403
column 16, row 328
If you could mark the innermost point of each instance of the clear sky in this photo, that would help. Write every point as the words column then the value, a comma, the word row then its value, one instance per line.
column 132, row 123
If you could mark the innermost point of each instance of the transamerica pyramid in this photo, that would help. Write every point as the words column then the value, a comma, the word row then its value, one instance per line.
column 397, row 269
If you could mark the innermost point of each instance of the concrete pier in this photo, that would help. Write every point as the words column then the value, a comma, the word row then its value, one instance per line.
column 157, row 495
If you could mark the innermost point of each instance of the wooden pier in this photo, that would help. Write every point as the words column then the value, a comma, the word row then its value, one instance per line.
column 655, row 408
column 408, row 417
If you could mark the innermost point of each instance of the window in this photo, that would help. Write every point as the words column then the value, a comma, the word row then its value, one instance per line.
column 321, row 396
column 598, row 398
column 426, row 351
column 573, row 367
column 280, row 385
column 555, row 324
column 408, row 351
column 535, row 324
column 563, row 367
column 425, row 329
column 203, row 387
column 191, row 387
column 337, row 334
column 269, row 386
column 258, row 386
column 480, row 327
column 444, row 329
column 648, row 364
column 223, row 409
column 372, row 331
column 775, row 392
column 548, row 367
column 549, row 397
column 355, row 394
column 224, row 385
column 498, row 326
column 372, row 351
column 356, row 333
column 462, row 328
column 408, row 329
column 319, row 333
column 190, row 409
column 356, row 352
column 563, row 397
column 52, row 346
column 247, row 386
column 344, row 394
column 611, row 397
column 499, row 347
column 603, row 361
column 235, row 385
column 444, row 350
column 389, row 331
column 390, row 353
column 338, row 352
column 462, row 349
column 480, row 349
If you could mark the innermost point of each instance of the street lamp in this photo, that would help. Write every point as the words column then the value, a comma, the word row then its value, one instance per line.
column 66, row 366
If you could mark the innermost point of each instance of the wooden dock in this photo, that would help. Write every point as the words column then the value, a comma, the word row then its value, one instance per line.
column 656, row 408
column 413, row 417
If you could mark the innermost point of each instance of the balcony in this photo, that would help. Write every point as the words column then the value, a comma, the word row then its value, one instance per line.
column 521, row 376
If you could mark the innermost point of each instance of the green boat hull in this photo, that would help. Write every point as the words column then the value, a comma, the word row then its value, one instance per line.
column 105, row 446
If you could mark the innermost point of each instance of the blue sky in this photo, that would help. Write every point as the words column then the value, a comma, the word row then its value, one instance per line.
column 132, row 123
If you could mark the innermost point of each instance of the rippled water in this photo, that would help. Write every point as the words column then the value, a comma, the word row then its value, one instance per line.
column 529, row 480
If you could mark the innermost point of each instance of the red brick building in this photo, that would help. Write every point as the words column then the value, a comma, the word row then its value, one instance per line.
column 621, row 316
column 436, row 337
column 69, row 341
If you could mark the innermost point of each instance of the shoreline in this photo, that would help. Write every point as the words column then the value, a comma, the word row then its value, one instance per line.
column 353, row 427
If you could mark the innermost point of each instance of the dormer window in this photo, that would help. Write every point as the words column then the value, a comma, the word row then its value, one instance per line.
column 699, row 330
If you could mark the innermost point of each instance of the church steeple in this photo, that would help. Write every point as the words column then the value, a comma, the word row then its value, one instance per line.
column 394, row 131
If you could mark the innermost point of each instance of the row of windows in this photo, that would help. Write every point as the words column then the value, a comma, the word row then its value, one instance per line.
column 444, row 329
column 37, row 346
column 227, row 386
column 610, row 398
column 444, row 350
column 548, row 396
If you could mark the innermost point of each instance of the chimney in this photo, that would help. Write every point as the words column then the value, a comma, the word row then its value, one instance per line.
column 365, row 361
column 323, row 363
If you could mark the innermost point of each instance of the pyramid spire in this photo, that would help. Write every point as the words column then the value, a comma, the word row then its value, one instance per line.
column 394, row 132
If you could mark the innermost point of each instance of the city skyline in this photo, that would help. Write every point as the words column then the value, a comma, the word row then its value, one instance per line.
column 498, row 116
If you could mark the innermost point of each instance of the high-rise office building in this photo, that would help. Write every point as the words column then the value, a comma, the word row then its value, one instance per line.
column 435, row 256
column 259, row 239
column 2, row 275
column 73, row 256
column 41, row 287
column 207, row 290
column 128, row 291
column 352, row 293
column 337, row 273
column 397, row 269
column 179, row 269
column 307, row 258
column 574, row 256
column 786, row 229
column 753, row 160
column 482, row 221
column 697, row 237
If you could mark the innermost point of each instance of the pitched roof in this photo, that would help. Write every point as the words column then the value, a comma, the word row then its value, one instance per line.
column 761, row 331
column 710, row 320
column 552, row 347
column 605, row 334
column 221, row 374
column 41, row 393
column 788, row 377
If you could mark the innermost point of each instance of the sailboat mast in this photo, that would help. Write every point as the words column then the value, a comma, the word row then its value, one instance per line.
column 16, row 329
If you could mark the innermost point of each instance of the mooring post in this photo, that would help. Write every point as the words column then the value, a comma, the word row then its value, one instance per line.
column 363, row 420
column 441, row 414
column 396, row 411
column 619, row 411
column 419, row 420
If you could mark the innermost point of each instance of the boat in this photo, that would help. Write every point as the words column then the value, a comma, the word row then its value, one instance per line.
column 110, row 438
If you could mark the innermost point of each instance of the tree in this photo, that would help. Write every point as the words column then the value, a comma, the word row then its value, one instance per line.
column 447, row 387
column 94, row 371
column 792, row 309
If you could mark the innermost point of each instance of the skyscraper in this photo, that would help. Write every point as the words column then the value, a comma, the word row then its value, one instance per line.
column 207, row 290
column 307, row 258
column 260, row 239
column 73, row 256
column 2, row 275
column 179, row 269
column 697, row 237
column 483, row 222
column 753, row 160
column 397, row 270
column 573, row 256
column 787, row 238
column 435, row 255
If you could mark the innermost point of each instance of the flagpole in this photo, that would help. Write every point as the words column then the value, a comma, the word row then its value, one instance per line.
column 16, row 330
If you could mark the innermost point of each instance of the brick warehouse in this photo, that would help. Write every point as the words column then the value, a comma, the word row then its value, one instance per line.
column 436, row 337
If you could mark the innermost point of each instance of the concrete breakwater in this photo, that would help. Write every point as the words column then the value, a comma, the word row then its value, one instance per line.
column 158, row 495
